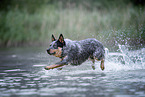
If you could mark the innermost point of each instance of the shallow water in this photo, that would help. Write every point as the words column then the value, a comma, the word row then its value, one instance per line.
column 22, row 74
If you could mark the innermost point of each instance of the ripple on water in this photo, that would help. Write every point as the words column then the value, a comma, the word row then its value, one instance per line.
column 63, row 89
column 14, row 70
column 3, row 73
column 27, row 92
column 125, row 96
column 38, row 65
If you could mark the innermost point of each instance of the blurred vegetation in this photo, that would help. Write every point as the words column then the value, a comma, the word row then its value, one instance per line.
column 31, row 22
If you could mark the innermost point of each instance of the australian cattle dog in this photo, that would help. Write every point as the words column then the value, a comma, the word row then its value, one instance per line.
column 76, row 52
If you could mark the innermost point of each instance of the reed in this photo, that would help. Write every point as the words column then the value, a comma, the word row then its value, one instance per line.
column 122, row 25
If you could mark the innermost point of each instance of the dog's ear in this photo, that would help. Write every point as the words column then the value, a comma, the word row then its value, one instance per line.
column 53, row 38
column 61, row 38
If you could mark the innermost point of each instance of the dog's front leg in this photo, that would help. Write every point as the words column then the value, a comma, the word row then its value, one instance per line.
column 59, row 64
column 61, row 60
column 53, row 66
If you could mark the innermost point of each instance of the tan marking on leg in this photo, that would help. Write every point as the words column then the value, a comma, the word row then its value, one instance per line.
column 102, row 64
column 53, row 66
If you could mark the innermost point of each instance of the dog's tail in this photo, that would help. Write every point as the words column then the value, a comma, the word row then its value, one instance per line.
column 106, row 52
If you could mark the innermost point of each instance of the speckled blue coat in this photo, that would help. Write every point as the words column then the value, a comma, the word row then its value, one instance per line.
column 76, row 52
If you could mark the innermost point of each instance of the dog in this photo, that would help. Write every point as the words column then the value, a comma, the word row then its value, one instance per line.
column 76, row 52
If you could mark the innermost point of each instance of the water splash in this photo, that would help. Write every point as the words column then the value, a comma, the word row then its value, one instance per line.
column 126, row 59
column 134, row 56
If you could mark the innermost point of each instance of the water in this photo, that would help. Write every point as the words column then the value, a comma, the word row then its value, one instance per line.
column 22, row 74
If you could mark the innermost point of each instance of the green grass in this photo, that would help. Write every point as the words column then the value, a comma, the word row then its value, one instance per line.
column 122, row 25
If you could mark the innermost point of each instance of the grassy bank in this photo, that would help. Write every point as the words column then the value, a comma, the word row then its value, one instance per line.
column 123, row 24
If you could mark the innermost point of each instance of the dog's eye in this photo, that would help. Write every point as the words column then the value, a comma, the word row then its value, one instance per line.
column 55, row 46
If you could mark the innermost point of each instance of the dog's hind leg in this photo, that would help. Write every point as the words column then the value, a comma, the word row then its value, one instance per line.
column 102, row 64
column 93, row 60
column 99, row 56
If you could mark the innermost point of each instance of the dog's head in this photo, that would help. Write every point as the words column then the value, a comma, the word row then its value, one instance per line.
column 56, row 46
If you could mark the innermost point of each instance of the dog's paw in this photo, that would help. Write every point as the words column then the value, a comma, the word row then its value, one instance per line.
column 46, row 68
column 59, row 68
column 102, row 67
column 93, row 67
